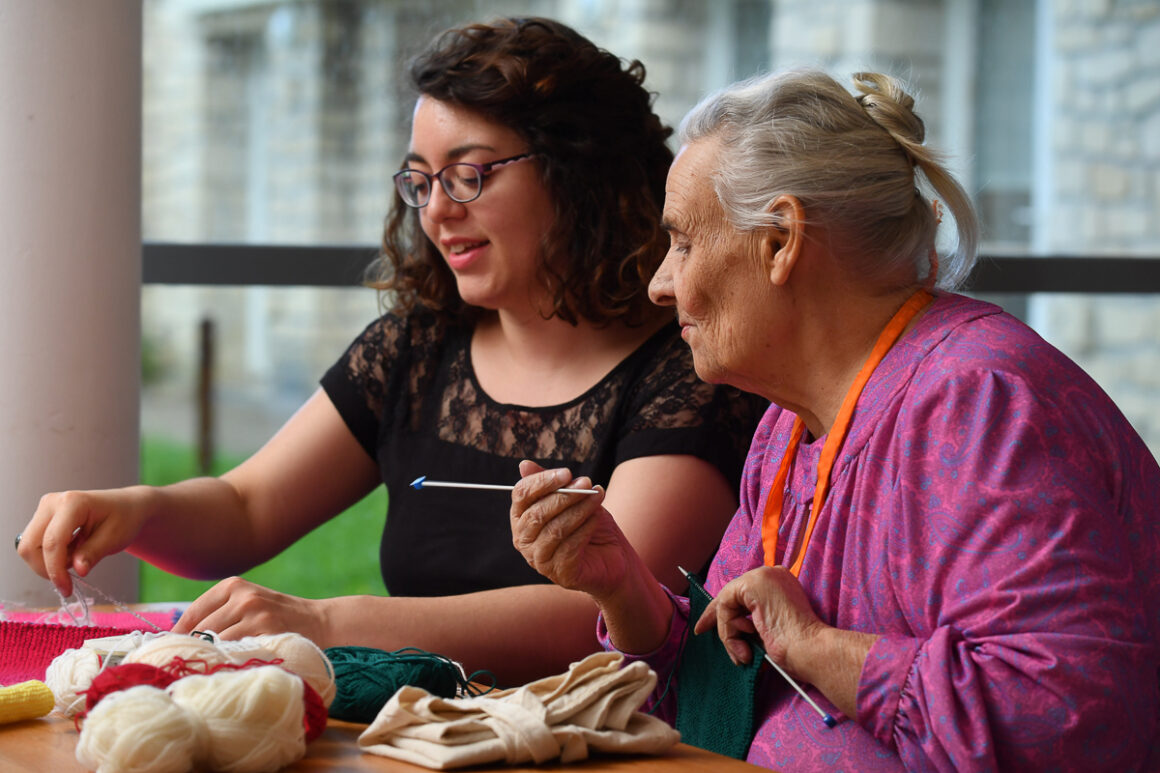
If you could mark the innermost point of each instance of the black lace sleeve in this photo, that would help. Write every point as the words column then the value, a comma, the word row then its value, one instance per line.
column 674, row 412
column 381, row 374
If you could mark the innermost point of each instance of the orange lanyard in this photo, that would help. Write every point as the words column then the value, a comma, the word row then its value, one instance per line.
column 772, row 517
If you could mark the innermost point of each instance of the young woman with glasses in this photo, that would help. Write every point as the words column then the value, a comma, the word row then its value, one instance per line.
column 515, row 267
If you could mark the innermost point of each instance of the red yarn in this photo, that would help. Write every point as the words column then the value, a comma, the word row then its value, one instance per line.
column 251, row 663
column 314, row 712
column 127, row 675
column 180, row 667
column 123, row 677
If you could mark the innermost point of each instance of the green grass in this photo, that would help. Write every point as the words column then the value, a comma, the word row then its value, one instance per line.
column 340, row 557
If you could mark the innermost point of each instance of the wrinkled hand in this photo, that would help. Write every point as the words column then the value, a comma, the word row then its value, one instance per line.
column 235, row 608
column 77, row 529
column 768, row 602
column 569, row 538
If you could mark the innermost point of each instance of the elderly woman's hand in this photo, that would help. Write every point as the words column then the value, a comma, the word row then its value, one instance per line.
column 769, row 602
column 569, row 538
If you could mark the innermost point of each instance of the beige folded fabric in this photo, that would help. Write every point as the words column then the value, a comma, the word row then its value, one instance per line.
column 592, row 707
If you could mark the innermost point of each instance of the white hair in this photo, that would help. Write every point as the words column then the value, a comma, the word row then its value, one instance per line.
column 857, row 164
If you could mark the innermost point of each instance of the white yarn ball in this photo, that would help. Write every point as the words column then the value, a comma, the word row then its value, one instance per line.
column 139, row 730
column 70, row 673
column 253, row 717
column 303, row 657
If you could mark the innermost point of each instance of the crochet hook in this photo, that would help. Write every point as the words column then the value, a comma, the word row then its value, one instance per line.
column 826, row 718
column 421, row 483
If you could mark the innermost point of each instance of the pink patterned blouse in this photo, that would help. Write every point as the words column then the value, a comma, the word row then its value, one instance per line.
column 996, row 520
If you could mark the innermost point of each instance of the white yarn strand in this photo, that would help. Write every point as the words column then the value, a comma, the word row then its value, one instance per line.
column 118, row 605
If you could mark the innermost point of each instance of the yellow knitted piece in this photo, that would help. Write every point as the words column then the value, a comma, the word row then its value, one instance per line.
column 27, row 700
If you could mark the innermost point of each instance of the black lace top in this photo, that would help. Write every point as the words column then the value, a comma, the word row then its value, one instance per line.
column 407, row 390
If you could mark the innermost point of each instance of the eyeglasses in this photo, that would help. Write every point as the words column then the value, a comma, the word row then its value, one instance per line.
column 462, row 182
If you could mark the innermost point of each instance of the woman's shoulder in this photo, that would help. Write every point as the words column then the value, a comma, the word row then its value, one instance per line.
column 966, row 339
column 979, row 369
column 413, row 327
column 396, row 348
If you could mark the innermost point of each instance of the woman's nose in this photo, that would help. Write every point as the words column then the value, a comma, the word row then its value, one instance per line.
column 660, row 288
column 442, row 207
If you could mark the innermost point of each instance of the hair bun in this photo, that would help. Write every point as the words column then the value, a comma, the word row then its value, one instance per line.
column 886, row 102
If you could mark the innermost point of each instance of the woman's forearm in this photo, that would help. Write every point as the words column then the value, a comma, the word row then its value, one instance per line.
column 833, row 662
column 638, row 614
column 518, row 634
column 312, row 469
column 196, row 528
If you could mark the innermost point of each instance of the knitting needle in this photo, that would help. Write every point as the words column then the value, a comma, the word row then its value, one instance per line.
column 421, row 483
column 826, row 718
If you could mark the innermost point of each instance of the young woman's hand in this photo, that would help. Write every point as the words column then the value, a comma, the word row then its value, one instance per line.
column 235, row 608
column 77, row 529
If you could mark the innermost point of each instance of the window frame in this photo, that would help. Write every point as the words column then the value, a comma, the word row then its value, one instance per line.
column 343, row 265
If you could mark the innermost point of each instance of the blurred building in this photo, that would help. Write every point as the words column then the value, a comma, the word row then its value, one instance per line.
column 282, row 121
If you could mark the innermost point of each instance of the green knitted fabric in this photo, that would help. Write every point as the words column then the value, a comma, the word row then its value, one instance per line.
column 714, row 697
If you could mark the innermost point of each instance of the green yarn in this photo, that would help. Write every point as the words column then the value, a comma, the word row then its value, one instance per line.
column 365, row 678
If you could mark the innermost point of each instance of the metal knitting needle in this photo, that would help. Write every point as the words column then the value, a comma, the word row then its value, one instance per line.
column 826, row 718
column 421, row 483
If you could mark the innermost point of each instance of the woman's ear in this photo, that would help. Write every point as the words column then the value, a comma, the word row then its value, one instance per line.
column 781, row 243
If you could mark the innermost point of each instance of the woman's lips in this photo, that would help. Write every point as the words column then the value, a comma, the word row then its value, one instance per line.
column 462, row 254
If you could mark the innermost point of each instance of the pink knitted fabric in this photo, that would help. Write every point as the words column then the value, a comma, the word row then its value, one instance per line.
column 28, row 647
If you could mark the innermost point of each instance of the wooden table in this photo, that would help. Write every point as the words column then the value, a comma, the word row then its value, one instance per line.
column 49, row 745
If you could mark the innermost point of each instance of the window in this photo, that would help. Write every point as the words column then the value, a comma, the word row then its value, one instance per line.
column 280, row 123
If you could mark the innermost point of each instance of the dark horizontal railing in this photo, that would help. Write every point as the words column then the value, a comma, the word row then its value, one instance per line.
column 343, row 266
column 255, row 264
column 1065, row 274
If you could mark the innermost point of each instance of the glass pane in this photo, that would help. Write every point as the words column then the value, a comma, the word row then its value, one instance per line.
column 283, row 121
column 268, row 347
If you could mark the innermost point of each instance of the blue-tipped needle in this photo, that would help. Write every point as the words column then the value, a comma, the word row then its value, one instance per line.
column 826, row 718
column 421, row 483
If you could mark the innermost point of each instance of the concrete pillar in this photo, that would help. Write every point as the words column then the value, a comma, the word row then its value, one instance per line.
column 70, row 258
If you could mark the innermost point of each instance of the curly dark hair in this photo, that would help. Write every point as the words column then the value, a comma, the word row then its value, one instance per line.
column 600, row 150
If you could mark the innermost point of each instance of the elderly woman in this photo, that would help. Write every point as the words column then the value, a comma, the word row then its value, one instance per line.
column 947, row 531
